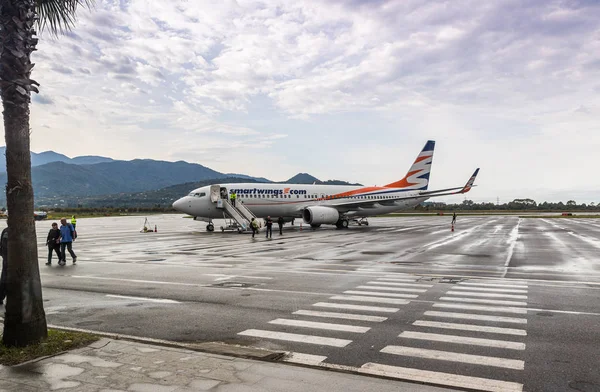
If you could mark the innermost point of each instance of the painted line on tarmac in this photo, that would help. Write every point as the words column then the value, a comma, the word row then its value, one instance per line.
column 381, row 300
column 394, row 295
column 356, row 307
column 455, row 357
column 490, row 289
column 397, row 289
column 346, row 316
column 490, row 295
column 438, row 378
column 484, row 301
column 434, row 337
column 376, row 282
column 294, row 337
column 480, row 317
column 317, row 325
column 486, row 308
column 470, row 327
column 492, row 285
column 156, row 300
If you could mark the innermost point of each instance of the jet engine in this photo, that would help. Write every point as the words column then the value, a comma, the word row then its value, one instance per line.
column 318, row 215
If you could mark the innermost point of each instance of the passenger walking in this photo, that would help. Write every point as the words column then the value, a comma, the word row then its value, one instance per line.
column 453, row 218
column 232, row 198
column 53, row 243
column 254, row 226
column 4, row 254
column 269, row 224
column 280, row 223
column 67, row 236
column 74, row 222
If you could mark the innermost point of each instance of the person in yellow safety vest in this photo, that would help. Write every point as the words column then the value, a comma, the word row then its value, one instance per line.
column 232, row 198
column 73, row 221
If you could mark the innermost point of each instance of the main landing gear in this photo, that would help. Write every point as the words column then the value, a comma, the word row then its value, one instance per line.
column 342, row 223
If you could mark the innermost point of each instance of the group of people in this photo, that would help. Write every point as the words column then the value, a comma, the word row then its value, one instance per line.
column 269, row 225
column 61, row 239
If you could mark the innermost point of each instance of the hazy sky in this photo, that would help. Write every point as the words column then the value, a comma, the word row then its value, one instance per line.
column 349, row 90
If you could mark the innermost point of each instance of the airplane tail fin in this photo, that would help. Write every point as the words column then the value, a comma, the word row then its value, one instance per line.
column 417, row 177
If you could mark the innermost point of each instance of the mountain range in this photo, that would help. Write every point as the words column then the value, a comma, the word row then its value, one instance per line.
column 59, row 180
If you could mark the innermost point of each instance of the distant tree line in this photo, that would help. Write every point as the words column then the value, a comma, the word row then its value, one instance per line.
column 515, row 205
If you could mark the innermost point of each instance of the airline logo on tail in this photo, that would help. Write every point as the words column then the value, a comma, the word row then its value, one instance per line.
column 417, row 177
column 469, row 184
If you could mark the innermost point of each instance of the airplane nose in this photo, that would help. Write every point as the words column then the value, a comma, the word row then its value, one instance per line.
column 180, row 205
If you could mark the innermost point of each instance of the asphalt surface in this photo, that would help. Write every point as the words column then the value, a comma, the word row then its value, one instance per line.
column 501, row 303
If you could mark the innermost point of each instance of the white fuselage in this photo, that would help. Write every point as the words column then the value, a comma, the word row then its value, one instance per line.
column 289, row 200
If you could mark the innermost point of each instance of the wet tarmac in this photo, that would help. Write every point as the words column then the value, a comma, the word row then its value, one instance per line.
column 504, row 302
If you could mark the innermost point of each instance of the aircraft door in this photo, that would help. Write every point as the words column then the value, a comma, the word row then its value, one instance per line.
column 224, row 193
column 215, row 193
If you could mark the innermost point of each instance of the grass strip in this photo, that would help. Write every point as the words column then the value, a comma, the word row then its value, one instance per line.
column 57, row 342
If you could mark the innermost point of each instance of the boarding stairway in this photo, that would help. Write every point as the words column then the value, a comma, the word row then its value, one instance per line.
column 240, row 213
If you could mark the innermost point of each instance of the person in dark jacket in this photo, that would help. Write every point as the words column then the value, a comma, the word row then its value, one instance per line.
column 269, row 224
column 67, row 236
column 4, row 254
column 53, row 243
column 280, row 223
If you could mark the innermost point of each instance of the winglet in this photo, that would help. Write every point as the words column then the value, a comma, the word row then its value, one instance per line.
column 469, row 183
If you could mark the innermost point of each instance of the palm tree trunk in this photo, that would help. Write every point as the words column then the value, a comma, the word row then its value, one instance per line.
column 25, row 319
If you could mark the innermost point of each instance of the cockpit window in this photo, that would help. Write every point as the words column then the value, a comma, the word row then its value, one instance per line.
column 197, row 194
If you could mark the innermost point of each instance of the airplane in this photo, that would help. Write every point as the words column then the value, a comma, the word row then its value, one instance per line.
column 318, row 204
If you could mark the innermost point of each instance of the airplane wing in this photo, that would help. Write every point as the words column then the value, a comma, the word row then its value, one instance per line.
column 348, row 205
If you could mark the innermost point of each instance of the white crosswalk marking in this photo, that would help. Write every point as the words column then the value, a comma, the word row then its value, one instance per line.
column 501, row 309
column 455, row 357
column 470, row 327
column 491, row 295
column 481, row 317
column 479, row 283
column 304, row 359
column 293, row 337
column 462, row 340
column 316, row 325
column 370, row 299
column 452, row 380
column 400, row 289
column 484, row 301
column 347, row 316
column 356, row 307
column 498, row 283
column 398, row 284
column 490, row 289
column 396, row 295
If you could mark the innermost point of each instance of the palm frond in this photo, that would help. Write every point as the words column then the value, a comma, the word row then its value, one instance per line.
column 58, row 16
